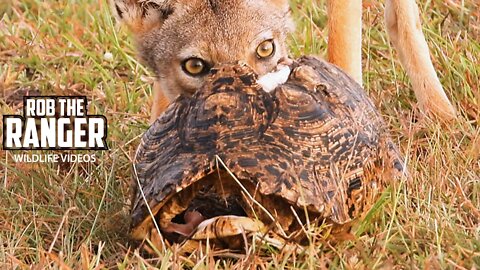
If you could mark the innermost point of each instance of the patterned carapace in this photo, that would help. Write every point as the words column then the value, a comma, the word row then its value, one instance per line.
column 315, row 143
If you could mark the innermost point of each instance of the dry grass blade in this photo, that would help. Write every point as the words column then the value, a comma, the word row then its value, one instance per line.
column 152, row 216
column 250, row 197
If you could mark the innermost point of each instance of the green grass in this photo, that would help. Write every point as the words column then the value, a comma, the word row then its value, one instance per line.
column 76, row 215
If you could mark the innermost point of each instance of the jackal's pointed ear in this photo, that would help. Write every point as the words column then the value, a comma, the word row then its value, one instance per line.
column 142, row 15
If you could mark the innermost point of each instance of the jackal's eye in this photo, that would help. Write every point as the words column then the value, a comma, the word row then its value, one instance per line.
column 195, row 66
column 266, row 49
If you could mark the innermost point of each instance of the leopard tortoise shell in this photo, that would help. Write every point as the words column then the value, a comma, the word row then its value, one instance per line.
column 234, row 159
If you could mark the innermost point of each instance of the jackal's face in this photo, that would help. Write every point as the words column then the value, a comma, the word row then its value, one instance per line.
column 182, row 39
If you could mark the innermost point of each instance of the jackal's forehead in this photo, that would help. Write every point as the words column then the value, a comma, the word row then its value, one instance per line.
column 215, row 30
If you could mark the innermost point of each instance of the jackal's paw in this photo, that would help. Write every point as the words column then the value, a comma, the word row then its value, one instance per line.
column 432, row 99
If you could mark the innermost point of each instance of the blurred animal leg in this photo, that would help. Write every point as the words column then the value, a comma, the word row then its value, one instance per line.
column 345, row 36
column 405, row 32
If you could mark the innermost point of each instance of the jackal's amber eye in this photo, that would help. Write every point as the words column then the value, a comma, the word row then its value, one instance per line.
column 195, row 66
column 266, row 49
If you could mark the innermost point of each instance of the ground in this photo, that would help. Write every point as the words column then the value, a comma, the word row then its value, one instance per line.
column 76, row 215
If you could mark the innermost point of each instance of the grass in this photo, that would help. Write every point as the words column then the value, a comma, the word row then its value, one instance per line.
column 76, row 215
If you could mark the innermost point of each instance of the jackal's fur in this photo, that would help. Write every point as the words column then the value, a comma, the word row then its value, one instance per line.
column 167, row 32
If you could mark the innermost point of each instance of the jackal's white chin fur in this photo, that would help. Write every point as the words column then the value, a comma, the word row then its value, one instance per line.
column 271, row 80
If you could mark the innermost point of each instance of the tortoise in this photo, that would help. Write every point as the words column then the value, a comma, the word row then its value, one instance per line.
column 234, row 160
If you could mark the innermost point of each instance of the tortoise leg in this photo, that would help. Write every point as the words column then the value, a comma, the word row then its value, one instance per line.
column 192, row 219
column 176, row 205
column 172, row 209
column 182, row 229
